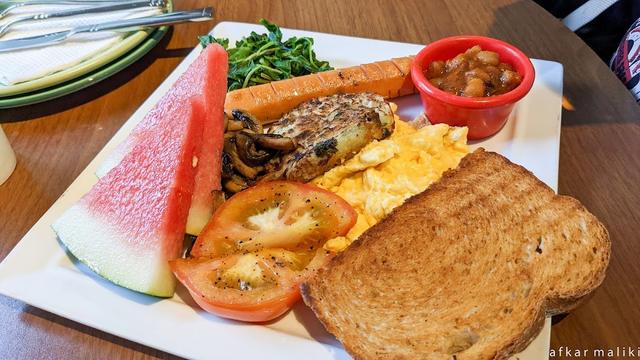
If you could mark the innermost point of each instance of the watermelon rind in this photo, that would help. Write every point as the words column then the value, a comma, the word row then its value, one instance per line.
column 114, row 256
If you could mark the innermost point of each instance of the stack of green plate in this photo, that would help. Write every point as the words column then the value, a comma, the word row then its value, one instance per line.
column 126, row 52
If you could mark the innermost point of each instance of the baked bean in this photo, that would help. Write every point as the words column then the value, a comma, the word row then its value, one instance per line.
column 474, row 73
column 510, row 78
column 457, row 63
column 478, row 73
column 488, row 57
column 475, row 88
column 436, row 69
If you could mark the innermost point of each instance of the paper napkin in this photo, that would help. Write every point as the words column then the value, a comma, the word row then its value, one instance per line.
column 29, row 64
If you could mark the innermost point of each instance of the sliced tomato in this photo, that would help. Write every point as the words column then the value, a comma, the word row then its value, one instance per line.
column 253, row 287
column 259, row 246
column 277, row 214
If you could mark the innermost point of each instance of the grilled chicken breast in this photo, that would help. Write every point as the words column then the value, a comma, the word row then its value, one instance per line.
column 329, row 130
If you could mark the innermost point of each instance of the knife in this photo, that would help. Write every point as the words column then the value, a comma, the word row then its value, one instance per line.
column 80, row 11
column 118, row 25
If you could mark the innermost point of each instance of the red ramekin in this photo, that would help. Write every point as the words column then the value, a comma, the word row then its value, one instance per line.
column 484, row 116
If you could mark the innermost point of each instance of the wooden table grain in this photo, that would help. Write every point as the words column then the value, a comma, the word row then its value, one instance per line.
column 599, row 152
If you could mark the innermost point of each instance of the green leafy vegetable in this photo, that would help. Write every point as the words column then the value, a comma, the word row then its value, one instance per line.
column 208, row 39
column 262, row 58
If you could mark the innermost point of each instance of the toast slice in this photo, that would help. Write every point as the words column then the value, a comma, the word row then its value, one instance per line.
column 468, row 269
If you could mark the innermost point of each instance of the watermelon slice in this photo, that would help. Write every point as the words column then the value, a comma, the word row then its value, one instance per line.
column 215, row 65
column 131, row 223
column 206, row 76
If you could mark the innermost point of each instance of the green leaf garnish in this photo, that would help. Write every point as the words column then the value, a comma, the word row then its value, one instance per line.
column 262, row 58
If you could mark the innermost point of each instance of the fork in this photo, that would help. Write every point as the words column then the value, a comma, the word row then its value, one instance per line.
column 203, row 14
column 8, row 6
column 81, row 11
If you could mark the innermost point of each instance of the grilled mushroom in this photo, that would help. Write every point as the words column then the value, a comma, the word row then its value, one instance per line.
column 276, row 173
column 249, row 153
column 274, row 141
column 227, row 165
column 235, row 184
column 247, row 120
column 234, row 125
column 245, row 170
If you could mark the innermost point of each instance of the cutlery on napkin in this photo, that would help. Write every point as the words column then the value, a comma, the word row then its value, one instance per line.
column 30, row 64
column 87, row 9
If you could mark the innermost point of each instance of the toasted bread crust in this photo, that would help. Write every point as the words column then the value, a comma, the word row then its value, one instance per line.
column 470, row 268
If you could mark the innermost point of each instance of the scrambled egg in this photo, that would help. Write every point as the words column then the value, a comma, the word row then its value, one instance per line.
column 385, row 173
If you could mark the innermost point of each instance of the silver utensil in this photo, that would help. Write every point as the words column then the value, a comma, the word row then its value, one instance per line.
column 118, row 25
column 8, row 6
column 80, row 11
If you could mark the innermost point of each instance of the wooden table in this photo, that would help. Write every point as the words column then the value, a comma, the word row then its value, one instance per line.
column 599, row 152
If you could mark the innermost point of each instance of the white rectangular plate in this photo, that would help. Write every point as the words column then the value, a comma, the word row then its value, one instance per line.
column 40, row 273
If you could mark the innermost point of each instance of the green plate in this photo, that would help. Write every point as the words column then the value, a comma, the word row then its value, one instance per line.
column 83, row 79
column 87, row 79
column 114, row 52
